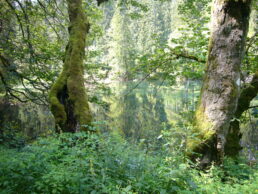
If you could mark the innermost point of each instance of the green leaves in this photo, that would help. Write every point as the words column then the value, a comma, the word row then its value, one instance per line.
column 90, row 163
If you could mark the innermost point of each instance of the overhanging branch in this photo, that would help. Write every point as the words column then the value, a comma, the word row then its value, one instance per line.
column 187, row 56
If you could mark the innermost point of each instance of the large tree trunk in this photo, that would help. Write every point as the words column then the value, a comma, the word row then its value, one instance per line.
column 68, row 98
column 248, row 93
column 221, row 87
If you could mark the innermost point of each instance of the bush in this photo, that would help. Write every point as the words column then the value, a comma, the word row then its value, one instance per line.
column 83, row 163
column 11, row 136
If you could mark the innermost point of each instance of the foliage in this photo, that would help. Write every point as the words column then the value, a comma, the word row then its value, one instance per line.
column 11, row 136
column 83, row 163
column 130, row 41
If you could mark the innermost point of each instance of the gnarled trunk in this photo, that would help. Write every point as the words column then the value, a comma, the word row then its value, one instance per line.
column 221, row 87
column 68, row 98
column 248, row 93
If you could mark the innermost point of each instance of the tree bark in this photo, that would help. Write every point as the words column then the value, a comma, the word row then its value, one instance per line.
column 68, row 98
column 221, row 87
column 248, row 93
column 101, row 1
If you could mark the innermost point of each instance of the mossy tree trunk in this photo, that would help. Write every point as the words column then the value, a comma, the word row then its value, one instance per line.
column 248, row 93
column 221, row 87
column 68, row 98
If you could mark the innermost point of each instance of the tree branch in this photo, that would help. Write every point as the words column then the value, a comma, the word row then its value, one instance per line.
column 248, row 93
column 187, row 56
column 101, row 1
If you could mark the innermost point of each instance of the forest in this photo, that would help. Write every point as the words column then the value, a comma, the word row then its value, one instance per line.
column 128, row 96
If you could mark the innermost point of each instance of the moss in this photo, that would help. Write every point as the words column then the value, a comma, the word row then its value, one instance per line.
column 57, row 108
column 203, row 124
column 68, row 94
column 203, row 128
column 75, row 82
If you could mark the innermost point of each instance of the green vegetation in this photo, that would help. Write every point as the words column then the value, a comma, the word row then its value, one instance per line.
column 83, row 163
column 128, row 96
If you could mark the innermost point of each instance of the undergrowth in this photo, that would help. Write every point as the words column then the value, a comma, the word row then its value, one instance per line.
column 83, row 163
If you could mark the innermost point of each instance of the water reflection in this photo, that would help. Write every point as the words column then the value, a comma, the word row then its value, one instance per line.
column 142, row 113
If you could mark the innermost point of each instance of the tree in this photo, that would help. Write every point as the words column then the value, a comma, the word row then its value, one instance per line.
column 221, row 87
column 68, row 98
column 31, row 49
column 248, row 92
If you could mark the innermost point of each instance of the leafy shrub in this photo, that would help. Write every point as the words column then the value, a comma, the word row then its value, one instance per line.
column 83, row 163
column 11, row 136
